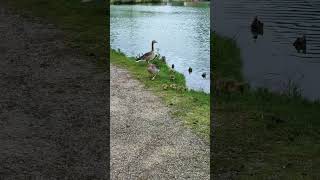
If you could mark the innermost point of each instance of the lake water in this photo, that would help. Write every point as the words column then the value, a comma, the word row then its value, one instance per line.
column 182, row 33
column 271, row 61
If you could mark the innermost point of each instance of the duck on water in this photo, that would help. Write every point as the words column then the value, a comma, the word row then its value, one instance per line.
column 256, row 27
column 300, row 44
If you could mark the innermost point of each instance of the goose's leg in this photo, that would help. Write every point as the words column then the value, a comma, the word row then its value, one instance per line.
column 153, row 77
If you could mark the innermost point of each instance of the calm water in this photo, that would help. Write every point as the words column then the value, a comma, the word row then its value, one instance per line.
column 272, row 61
column 183, row 35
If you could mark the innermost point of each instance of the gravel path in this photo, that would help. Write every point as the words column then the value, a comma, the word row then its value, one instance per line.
column 53, row 105
column 146, row 143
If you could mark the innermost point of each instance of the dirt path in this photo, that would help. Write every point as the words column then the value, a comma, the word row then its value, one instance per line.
column 146, row 143
column 53, row 105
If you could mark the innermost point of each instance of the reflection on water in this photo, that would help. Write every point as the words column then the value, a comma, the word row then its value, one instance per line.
column 272, row 61
column 182, row 34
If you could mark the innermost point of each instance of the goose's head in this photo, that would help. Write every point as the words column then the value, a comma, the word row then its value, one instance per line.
column 154, row 41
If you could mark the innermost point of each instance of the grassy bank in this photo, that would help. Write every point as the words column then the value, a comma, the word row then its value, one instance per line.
column 85, row 24
column 260, row 134
column 192, row 107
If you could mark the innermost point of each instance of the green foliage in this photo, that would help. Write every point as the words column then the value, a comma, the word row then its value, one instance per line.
column 226, row 60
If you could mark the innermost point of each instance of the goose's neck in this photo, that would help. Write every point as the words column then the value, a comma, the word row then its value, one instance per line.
column 152, row 46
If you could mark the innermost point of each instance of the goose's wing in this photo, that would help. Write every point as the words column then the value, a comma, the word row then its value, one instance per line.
column 146, row 55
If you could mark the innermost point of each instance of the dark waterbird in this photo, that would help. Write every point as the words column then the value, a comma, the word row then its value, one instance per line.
column 190, row 70
column 172, row 66
column 300, row 44
column 256, row 27
column 204, row 75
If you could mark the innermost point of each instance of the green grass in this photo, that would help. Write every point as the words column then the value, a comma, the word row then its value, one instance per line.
column 226, row 62
column 85, row 24
column 261, row 134
column 192, row 107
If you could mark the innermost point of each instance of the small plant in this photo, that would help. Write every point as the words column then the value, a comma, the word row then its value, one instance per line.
column 120, row 52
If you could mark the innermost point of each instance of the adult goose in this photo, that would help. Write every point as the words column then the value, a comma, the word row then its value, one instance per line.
column 149, row 55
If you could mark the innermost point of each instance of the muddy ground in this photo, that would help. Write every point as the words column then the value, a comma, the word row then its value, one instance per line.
column 53, row 105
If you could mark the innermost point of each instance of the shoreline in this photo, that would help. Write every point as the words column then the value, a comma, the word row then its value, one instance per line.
column 192, row 107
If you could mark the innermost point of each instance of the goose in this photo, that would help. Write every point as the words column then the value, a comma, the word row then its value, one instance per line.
column 257, row 26
column 172, row 66
column 300, row 43
column 190, row 70
column 153, row 70
column 149, row 55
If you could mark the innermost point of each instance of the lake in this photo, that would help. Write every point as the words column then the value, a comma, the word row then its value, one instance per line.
column 271, row 60
column 182, row 33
